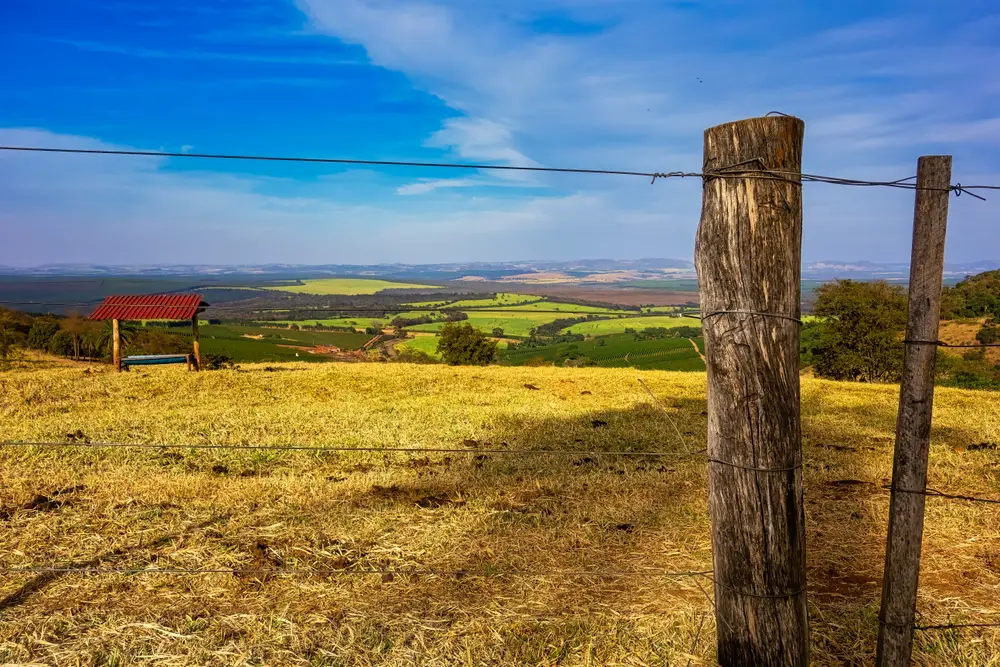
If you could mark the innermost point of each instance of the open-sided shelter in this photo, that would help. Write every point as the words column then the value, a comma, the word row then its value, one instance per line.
column 152, row 307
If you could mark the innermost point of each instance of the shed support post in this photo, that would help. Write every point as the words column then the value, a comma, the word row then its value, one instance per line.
column 197, row 345
column 116, row 345
column 748, row 256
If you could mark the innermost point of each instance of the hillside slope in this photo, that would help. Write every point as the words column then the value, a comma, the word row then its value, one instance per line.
column 531, row 522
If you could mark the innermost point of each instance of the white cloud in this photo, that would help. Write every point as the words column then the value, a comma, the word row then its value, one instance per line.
column 427, row 185
column 112, row 209
column 637, row 90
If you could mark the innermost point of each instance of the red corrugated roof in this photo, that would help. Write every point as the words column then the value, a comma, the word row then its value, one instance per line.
column 149, row 307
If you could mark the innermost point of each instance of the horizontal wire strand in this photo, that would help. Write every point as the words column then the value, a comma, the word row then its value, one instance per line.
column 334, row 448
column 331, row 571
column 771, row 174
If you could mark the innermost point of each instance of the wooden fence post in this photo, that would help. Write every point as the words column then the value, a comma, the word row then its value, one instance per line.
column 913, row 425
column 748, row 258
column 116, row 345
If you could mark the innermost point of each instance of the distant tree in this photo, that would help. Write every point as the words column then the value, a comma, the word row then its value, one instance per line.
column 106, row 336
column 463, row 344
column 975, row 296
column 990, row 333
column 61, row 343
column 158, row 341
column 10, row 333
column 860, row 330
column 497, row 332
column 76, row 326
column 41, row 332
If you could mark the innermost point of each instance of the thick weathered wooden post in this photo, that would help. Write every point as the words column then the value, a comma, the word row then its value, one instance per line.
column 116, row 345
column 913, row 425
column 197, row 344
column 748, row 260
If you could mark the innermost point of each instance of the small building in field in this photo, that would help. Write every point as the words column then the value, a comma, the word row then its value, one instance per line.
column 152, row 307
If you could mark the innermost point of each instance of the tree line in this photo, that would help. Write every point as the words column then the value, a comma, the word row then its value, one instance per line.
column 859, row 329
column 74, row 336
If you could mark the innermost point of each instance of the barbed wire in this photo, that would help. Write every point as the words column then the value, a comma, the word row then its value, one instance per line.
column 727, row 172
column 337, row 448
column 938, row 494
column 433, row 572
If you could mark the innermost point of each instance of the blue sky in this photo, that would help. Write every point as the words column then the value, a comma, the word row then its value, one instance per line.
column 620, row 84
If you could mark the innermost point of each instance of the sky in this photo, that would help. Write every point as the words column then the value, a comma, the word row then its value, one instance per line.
column 608, row 84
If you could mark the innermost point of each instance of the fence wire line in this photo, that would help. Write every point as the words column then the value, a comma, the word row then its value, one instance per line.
column 938, row 494
column 728, row 172
column 428, row 572
column 335, row 448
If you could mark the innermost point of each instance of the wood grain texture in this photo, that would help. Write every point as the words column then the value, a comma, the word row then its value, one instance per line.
column 116, row 345
column 748, row 257
column 197, row 342
column 913, row 425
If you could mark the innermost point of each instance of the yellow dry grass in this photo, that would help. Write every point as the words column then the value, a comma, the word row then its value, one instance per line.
column 453, row 512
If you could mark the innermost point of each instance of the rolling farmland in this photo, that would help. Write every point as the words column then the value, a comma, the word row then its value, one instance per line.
column 618, row 325
column 347, row 286
column 513, row 324
column 277, row 345
column 616, row 351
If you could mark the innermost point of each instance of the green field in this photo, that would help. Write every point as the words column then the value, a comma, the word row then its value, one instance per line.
column 348, row 286
column 425, row 344
column 618, row 351
column 501, row 299
column 513, row 324
column 618, row 325
column 279, row 345
column 569, row 308
column 356, row 322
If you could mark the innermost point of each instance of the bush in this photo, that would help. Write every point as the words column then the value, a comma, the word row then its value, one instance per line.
column 41, row 332
column 158, row 341
column 990, row 333
column 411, row 356
column 61, row 343
column 463, row 344
column 216, row 362
column 859, row 335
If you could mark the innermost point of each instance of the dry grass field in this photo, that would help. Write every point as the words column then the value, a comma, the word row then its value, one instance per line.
column 510, row 536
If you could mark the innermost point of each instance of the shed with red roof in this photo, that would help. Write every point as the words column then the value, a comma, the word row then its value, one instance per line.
column 159, row 307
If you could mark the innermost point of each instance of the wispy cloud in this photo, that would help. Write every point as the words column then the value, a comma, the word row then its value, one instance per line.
column 202, row 54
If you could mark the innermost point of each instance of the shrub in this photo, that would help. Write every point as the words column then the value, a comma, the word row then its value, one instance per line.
column 411, row 356
column 990, row 333
column 216, row 362
column 463, row 344
column 41, row 332
column 859, row 335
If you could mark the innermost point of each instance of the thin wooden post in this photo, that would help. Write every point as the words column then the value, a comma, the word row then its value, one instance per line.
column 116, row 345
column 748, row 257
column 913, row 425
column 197, row 344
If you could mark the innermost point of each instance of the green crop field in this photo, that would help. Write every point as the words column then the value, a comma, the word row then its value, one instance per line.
column 569, row 308
column 430, row 304
column 618, row 325
column 622, row 350
column 343, row 340
column 501, row 299
column 425, row 344
column 355, row 322
column 279, row 345
column 348, row 286
column 513, row 324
